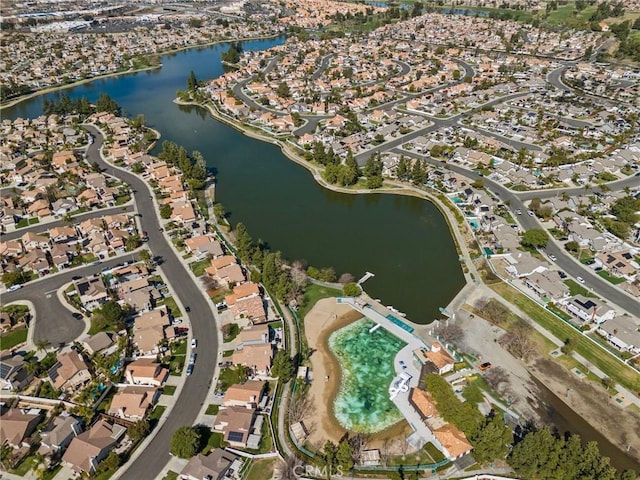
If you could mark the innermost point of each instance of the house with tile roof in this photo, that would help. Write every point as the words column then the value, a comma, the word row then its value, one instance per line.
column 89, row 448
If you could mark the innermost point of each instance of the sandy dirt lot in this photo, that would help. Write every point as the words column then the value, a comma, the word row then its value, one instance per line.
column 326, row 317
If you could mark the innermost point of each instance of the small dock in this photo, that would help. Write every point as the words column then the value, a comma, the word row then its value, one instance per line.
column 366, row 277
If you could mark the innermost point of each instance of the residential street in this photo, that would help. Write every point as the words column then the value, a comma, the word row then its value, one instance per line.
column 564, row 260
column 203, row 324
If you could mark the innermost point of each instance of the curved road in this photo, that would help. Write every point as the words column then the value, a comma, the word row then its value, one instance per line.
column 203, row 325
column 55, row 322
column 564, row 260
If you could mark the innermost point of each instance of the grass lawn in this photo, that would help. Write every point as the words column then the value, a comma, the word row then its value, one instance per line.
column 576, row 289
column 610, row 365
column 199, row 267
column 25, row 466
column 105, row 475
column 176, row 364
column 171, row 305
column 610, row 278
column 212, row 409
column 228, row 353
column 10, row 340
column 261, row 469
column 228, row 376
column 179, row 348
column 312, row 294
column 171, row 475
column 210, row 439
column 51, row 473
column 122, row 199
column 564, row 315
column 168, row 389
column 155, row 415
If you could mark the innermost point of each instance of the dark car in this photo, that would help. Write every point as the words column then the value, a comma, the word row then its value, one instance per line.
column 187, row 308
column 189, row 369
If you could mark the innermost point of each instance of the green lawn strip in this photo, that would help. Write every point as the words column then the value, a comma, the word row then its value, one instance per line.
column 25, row 466
column 610, row 365
column 212, row 409
column 168, row 389
column 171, row 305
column 176, row 364
column 228, row 377
column 171, row 475
column 576, row 289
column 199, row 267
column 179, row 348
column 314, row 292
column 211, row 440
column 610, row 278
column 261, row 469
column 10, row 340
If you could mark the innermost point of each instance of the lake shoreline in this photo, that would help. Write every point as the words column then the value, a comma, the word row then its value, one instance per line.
column 54, row 88
column 288, row 151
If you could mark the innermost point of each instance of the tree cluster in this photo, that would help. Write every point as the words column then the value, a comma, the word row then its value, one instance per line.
column 542, row 455
column 373, row 171
column 416, row 173
column 490, row 437
column 283, row 366
column 232, row 54
column 273, row 272
column 625, row 210
column 65, row 105
column 535, row 238
column 185, row 442
column 193, row 167
column 335, row 171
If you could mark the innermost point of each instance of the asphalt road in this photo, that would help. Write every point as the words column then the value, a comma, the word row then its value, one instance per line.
column 41, row 227
column 618, row 185
column 54, row 322
column 203, row 325
column 564, row 260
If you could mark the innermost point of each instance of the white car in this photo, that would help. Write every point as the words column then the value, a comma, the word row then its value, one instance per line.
column 530, row 213
column 13, row 288
column 552, row 257
column 580, row 279
column 194, row 343
column 518, row 212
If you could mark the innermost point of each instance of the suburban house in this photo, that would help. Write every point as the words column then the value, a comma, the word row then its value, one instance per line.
column 439, row 356
column 203, row 245
column 89, row 448
column 523, row 264
column 217, row 465
column 92, row 292
column 623, row 333
column 101, row 342
column 253, row 335
column 149, row 329
column 226, row 270
column 59, row 433
column 13, row 373
column 620, row 264
column 586, row 310
column 16, row 426
column 70, row 371
column 146, row 371
column 257, row 357
column 132, row 403
column 246, row 302
column 547, row 284
column 236, row 424
column 245, row 395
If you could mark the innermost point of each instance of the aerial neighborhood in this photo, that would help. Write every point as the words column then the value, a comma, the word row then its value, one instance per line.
column 145, row 332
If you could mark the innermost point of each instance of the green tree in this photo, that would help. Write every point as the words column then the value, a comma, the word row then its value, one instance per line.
column 13, row 278
column 219, row 211
column 572, row 246
column 283, row 367
column 418, row 173
column 110, row 463
column 145, row 256
column 137, row 167
column 107, row 104
column 192, row 83
column 478, row 183
column 351, row 289
column 185, row 442
column 112, row 314
column 166, row 210
column 283, row 90
column 535, row 238
column 139, row 430
column 402, row 169
column 329, row 451
column 132, row 242
column 344, row 454
column 493, row 440
column 244, row 243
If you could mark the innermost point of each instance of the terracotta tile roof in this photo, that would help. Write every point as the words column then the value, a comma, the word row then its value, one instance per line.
column 243, row 394
column 451, row 438
column 423, row 403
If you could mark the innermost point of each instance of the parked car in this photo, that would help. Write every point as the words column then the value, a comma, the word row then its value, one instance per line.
column 187, row 308
column 552, row 257
column 562, row 274
column 485, row 366
column 189, row 369
column 194, row 343
column 13, row 288
column 580, row 279
column 518, row 212
column 530, row 213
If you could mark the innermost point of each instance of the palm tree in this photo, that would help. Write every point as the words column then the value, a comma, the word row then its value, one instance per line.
column 42, row 344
